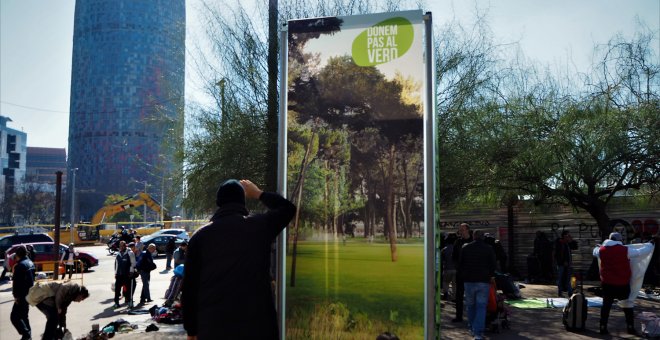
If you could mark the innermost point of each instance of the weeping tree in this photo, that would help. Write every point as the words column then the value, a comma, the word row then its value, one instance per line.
column 579, row 142
column 589, row 146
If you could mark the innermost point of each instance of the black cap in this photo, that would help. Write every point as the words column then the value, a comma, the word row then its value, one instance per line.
column 231, row 191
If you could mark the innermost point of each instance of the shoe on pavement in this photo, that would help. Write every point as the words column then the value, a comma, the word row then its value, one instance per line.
column 115, row 306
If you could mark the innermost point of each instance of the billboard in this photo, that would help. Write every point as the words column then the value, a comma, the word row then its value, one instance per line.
column 356, row 101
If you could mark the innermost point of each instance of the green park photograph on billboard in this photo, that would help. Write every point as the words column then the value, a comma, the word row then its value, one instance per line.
column 355, row 170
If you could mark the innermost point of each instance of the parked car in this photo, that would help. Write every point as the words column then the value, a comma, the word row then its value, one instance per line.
column 180, row 233
column 8, row 241
column 161, row 241
column 43, row 251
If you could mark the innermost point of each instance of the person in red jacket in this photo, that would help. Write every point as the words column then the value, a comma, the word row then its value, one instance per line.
column 615, row 274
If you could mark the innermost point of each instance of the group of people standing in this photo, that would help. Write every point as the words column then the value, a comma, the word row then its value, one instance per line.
column 469, row 264
column 133, row 261
column 52, row 300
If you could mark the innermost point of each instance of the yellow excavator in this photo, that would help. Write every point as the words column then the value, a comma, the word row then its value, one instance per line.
column 137, row 200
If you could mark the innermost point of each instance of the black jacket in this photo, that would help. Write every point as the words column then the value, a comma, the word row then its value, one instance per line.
column 23, row 278
column 477, row 262
column 563, row 252
column 145, row 262
column 227, row 285
column 170, row 246
column 456, row 253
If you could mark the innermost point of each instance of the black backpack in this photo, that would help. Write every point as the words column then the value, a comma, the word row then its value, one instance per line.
column 574, row 316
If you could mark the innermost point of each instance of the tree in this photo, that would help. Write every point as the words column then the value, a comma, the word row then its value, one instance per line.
column 467, row 74
column 33, row 202
column 602, row 142
column 233, row 55
column 580, row 146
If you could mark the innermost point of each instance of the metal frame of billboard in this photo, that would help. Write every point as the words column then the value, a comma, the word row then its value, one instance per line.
column 429, row 176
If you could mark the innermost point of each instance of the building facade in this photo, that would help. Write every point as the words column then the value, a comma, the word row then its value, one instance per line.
column 13, row 148
column 127, row 98
column 41, row 165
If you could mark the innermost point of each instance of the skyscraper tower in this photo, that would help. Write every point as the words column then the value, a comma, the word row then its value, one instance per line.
column 127, row 99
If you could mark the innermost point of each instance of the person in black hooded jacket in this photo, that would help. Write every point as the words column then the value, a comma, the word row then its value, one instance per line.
column 227, row 284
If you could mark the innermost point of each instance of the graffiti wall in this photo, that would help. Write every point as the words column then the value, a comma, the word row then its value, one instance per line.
column 636, row 225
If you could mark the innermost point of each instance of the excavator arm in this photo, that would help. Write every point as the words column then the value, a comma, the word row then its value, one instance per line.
column 137, row 200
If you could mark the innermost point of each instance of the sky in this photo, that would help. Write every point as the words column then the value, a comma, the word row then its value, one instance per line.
column 36, row 42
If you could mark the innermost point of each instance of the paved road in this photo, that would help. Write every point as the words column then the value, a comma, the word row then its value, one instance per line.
column 97, row 309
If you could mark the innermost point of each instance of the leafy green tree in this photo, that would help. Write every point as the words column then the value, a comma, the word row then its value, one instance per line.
column 32, row 201
column 577, row 145
column 232, row 68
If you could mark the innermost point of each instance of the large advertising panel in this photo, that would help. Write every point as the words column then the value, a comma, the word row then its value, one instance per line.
column 355, row 160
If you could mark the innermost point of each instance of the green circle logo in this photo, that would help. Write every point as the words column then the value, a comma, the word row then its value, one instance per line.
column 383, row 42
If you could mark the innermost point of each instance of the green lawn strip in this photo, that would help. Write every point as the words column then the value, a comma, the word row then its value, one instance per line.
column 362, row 277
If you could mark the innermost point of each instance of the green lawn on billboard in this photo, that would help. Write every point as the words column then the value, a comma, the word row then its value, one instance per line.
column 362, row 295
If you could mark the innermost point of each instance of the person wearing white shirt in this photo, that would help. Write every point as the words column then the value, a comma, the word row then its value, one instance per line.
column 615, row 276
column 68, row 260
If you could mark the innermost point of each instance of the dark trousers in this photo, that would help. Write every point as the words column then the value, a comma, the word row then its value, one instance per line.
column 120, row 282
column 131, row 288
column 145, row 276
column 564, row 280
column 70, row 269
column 460, row 291
column 19, row 317
column 609, row 294
column 52, row 321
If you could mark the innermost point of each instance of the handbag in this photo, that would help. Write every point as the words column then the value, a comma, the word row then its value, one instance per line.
column 492, row 299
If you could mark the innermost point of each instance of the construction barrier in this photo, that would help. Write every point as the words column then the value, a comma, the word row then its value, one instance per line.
column 48, row 267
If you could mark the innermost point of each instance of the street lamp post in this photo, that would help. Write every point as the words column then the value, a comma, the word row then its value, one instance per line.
column 73, row 200
column 145, row 205
column 162, row 200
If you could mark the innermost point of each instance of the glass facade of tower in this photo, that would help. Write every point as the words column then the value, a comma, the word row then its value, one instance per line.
column 127, row 98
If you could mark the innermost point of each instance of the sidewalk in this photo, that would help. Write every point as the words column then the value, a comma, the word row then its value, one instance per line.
column 545, row 323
